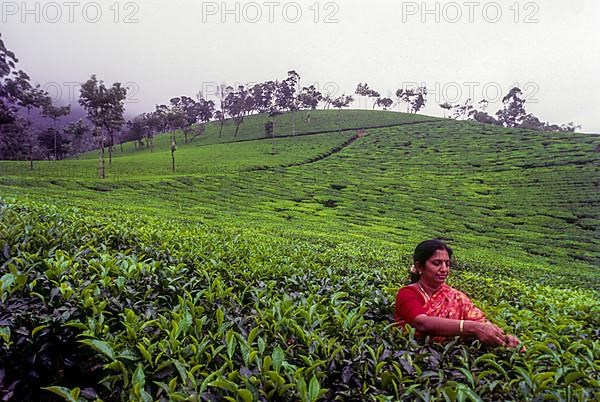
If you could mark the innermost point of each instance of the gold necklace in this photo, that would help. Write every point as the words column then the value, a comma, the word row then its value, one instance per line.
column 427, row 297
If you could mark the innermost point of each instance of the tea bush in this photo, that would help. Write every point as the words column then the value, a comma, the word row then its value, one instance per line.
column 111, row 307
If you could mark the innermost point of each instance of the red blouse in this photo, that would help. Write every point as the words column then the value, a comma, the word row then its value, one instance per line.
column 409, row 304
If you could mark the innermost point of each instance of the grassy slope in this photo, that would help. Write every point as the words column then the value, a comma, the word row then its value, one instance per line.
column 253, row 126
column 505, row 197
column 225, row 152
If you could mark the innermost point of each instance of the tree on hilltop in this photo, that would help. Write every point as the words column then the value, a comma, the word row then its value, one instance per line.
column 419, row 99
column 384, row 103
column 464, row 110
column 292, row 82
column 236, row 104
column 513, row 111
column 175, row 117
column 114, row 120
column 447, row 107
column 105, row 108
column 285, row 96
column 480, row 115
column 161, row 118
column 263, row 96
column 309, row 98
column 364, row 91
column 221, row 114
column 189, row 114
column 205, row 110
column 570, row 127
column 483, row 117
column 339, row 103
column 415, row 99
column 327, row 101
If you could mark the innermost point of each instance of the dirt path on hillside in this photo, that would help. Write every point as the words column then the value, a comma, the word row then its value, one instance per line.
column 359, row 134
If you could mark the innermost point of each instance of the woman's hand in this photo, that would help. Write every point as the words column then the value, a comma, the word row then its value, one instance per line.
column 512, row 342
column 489, row 334
column 492, row 335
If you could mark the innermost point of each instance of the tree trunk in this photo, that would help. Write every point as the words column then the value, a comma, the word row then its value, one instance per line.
column 101, row 171
column 221, row 129
column 110, row 147
column 293, row 123
column 237, row 127
column 30, row 150
column 55, row 148
column 173, row 157
column 30, row 137
column 273, row 136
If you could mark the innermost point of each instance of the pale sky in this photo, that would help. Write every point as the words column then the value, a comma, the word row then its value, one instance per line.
column 170, row 48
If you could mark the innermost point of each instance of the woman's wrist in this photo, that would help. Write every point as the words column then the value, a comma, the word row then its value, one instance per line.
column 471, row 327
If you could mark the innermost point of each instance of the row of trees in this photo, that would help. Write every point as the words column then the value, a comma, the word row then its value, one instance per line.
column 182, row 113
column 414, row 98
column 232, row 104
column 512, row 114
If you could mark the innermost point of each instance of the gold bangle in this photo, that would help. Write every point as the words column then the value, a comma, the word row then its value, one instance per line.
column 461, row 326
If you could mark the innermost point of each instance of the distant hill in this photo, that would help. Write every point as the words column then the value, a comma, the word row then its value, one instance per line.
column 40, row 121
column 77, row 112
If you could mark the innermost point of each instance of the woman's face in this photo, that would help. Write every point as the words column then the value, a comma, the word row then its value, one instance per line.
column 436, row 269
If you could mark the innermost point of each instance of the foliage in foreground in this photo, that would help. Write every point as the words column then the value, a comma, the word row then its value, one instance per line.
column 98, row 306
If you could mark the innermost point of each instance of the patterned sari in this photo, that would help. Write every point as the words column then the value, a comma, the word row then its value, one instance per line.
column 448, row 302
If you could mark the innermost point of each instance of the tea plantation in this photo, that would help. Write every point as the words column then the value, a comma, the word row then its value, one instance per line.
column 266, row 269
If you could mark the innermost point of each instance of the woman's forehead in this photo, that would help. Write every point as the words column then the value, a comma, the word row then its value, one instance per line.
column 441, row 254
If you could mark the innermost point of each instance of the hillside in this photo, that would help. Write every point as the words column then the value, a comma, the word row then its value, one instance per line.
column 530, row 196
column 266, row 269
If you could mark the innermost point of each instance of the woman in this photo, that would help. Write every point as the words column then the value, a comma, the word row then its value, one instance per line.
column 434, row 308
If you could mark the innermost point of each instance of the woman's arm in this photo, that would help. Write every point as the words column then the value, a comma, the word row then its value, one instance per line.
column 486, row 332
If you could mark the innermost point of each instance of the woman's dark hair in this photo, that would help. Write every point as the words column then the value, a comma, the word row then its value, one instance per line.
column 424, row 251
